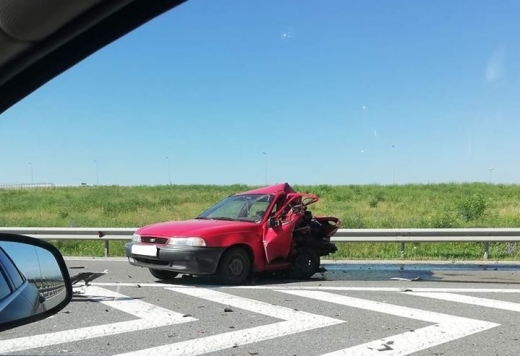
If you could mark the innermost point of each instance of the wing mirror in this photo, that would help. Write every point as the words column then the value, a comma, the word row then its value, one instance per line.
column 34, row 280
column 273, row 222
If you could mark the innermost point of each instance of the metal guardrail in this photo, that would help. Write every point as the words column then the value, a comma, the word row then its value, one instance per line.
column 484, row 235
column 105, row 234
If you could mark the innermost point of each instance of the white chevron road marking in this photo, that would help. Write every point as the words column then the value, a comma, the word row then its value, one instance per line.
column 149, row 316
column 446, row 327
column 294, row 321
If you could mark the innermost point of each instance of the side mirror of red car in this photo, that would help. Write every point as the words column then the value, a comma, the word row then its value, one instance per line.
column 273, row 222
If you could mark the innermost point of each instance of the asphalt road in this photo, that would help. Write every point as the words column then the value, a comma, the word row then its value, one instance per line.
column 354, row 309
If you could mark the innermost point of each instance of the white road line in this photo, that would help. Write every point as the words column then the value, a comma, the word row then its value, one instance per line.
column 409, row 287
column 483, row 302
column 117, row 284
column 150, row 316
column 294, row 322
column 447, row 328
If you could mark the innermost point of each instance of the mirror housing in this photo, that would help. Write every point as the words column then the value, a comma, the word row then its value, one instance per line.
column 272, row 222
column 34, row 281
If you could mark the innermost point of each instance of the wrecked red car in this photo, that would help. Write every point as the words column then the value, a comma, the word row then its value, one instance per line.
column 263, row 230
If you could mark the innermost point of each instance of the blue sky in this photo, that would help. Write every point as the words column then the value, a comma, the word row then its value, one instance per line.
column 324, row 88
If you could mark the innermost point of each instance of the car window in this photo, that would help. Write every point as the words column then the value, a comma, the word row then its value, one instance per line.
column 239, row 207
column 13, row 272
column 258, row 209
column 230, row 210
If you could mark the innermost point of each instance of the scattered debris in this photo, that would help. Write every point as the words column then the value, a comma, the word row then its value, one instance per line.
column 385, row 347
column 186, row 315
column 228, row 310
column 138, row 285
column 129, row 276
column 407, row 279
column 235, row 346
column 106, row 310
column 76, row 267
column 231, row 327
column 253, row 353
column 66, row 312
column 86, row 277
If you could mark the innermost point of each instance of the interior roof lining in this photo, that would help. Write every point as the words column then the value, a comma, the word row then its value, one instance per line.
column 74, row 42
column 33, row 20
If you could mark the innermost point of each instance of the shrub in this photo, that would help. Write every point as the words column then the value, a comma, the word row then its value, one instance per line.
column 472, row 207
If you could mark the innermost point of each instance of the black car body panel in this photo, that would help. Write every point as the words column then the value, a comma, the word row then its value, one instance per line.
column 190, row 260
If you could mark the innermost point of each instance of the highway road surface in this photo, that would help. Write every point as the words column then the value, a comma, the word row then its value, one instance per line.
column 352, row 309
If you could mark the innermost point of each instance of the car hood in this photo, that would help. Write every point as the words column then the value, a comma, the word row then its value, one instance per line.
column 196, row 227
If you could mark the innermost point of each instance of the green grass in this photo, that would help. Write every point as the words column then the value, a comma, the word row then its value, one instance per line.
column 358, row 206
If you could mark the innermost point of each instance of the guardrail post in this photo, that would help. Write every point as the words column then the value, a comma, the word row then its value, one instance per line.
column 402, row 249
column 107, row 248
column 486, row 250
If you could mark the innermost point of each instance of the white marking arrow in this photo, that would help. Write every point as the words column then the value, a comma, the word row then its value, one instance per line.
column 150, row 316
column 447, row 327
column 294, row 322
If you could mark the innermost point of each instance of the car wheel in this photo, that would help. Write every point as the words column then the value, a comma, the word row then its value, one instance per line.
column 234, row 267
column 162, row 274
column 304, row 264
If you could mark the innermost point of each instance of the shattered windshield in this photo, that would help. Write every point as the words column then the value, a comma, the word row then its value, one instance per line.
column 247, row 207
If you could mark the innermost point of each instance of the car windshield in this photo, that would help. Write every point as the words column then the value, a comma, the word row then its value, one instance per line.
column 246, row 207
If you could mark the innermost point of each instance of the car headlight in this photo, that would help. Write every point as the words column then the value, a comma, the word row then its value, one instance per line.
column 186, row 242
column 136, row 238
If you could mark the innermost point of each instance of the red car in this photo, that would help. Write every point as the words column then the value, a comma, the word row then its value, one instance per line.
column 263, row 230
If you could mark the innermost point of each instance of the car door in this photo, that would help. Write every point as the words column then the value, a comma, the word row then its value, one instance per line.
column 14, row 304
column 278, row 236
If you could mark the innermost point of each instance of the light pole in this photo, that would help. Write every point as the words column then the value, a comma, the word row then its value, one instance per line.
column 265, row 166
column 97, row 175
column 490, row 173
column 393, row 162
column 32, row 175
column 169, row 170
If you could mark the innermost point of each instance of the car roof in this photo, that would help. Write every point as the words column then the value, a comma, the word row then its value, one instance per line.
column 40, row 39
column 273, row 189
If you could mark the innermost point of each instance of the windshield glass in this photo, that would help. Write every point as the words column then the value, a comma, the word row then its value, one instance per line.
column 247, row 207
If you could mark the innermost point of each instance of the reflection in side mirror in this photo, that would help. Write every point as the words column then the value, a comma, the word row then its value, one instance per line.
column 34, row 282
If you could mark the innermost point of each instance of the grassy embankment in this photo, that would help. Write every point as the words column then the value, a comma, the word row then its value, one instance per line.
column 370, row 206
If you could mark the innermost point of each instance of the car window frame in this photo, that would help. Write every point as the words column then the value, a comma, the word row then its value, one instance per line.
column 5, row 276
column 8, row 259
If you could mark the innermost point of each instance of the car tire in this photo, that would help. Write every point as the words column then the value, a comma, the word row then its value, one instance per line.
column 234, row 267
column 162, row 274
column 304, row 264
